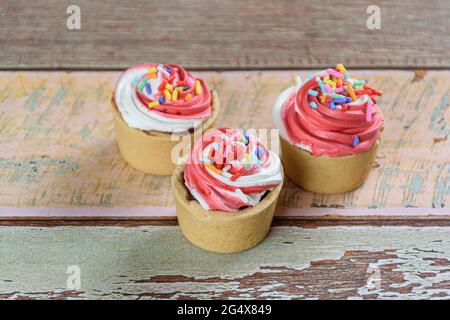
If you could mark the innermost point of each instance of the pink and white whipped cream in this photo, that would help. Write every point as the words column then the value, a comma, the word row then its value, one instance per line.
column 330, row 114
column 229, row 170
column 163, row 98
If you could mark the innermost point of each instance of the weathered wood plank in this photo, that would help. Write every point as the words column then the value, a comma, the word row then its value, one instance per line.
column 293, row 263
column 219, row 34
column 299, row 221
column 58, row 154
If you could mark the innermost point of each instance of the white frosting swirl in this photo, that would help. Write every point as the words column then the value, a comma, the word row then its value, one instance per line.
column 137, row 115
column 229, row 170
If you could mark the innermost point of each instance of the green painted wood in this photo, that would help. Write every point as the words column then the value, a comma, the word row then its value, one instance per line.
column 157, row 262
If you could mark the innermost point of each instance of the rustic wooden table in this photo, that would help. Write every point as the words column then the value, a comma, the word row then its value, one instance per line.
column 46, row 166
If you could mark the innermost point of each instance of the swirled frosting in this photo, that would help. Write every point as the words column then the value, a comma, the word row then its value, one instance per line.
column 162, row 97
column 330, row 114
column 229, row 170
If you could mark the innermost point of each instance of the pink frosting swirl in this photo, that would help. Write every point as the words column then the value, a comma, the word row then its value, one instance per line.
column 334, row 120
column 229, row 170
column 162, row 97
column 193, row 98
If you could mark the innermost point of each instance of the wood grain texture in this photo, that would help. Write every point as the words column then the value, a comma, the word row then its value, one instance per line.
column 300, row 221
column 217, row 34
column 58, row 147
column 292, row 263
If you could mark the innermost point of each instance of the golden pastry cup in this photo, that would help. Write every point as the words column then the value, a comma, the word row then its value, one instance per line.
column 150, row 151
column 324, row 174
column 219, row 231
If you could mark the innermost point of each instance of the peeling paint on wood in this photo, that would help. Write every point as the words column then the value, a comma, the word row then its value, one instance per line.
column 292, row 263
column 58, row 149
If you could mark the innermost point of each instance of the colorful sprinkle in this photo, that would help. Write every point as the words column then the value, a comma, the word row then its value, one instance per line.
column 153, row 104
column 340, row 100
column 355, row 141
column 321, row 85
column 142, row 84
column 337, row 96
column 255, row 159
column 175, row 95
column 212, row 168
column 351, row 92
column 169, row 87
column 161, row 100
column 313, row 93
column 323, row 98
column 359, row 83
column 374, row 91
column 313, row 105
column 334, row 73
column 188, row 97
column 161, row 69
column 332, row 106
column 167, row 95
column 148, row 88
column 341, row 68
column 363, row 92
column 198, row 87
column 190, row 82
column 162, row 86
column 259, row 152
column 369, row 110
column 152, row 75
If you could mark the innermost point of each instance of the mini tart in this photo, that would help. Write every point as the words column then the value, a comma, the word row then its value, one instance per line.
column 150, row 151
column 330, row 127
column 324, row 174
column 219, row 231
